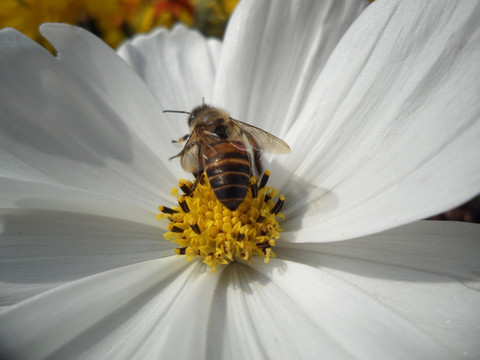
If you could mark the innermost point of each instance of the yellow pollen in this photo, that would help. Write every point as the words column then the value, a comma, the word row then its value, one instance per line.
column 204, row 228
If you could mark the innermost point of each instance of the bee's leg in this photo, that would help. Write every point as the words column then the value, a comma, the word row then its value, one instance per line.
column 187, row 147
column 175, row 156
column 198, row 179
column 182, row 139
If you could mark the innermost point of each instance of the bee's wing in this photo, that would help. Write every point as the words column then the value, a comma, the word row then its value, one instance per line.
column 258, row 139
column 191, row 155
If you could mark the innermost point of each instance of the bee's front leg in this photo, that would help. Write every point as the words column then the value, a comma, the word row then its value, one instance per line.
column 182, row 139
column 198, row 179
column 175, row 156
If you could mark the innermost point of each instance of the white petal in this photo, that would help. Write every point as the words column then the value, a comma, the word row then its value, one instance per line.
column 428, row 272
column 40, row 263
column 273, row 52
column 51, row 234
column 286, row 310
column 22, row 194
column 42, row 249
column 179, row 66
column 42, row 325
column 393, row 122
column 110, row 78
column 170, row 324
column 85, row 120
column 13, row 168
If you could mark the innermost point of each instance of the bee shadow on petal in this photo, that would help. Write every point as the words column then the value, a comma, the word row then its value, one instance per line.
column 249, row 278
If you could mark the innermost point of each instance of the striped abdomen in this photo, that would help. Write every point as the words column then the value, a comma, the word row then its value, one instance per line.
column 228, row 171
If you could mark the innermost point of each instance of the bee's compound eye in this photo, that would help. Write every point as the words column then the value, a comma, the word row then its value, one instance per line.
column 191, row 117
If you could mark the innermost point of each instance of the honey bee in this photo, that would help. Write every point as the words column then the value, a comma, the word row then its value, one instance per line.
column 223, row 147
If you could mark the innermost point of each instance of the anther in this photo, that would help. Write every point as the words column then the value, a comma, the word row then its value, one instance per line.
column 167, row 210
column 263, row 245
column 260, row 218
column 278, row 205
column 183, row 204
column 264, row 179
column 254, row 188
column 181, row 251
column 175, row 229
column 195, row 228
column 266, row 198
column 185, row 188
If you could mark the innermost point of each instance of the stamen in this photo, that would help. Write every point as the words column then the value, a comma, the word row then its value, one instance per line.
column 185, row 188
column 254, row 187
column 175, row 229
column 278, row 205
column 264, row 245
column 195, row 228
column 183, row 204
column 204, row 228
column 181, row 251
column 167, row 210
column 264, row 179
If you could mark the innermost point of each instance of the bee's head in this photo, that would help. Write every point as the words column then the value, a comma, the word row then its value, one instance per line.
column 196, row 112
column 203, row 115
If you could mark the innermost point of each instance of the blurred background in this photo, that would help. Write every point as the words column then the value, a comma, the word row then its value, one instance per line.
column 116, row 20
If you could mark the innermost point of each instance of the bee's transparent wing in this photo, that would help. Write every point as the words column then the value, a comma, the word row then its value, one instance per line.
column 191, row 156
column 257, row 138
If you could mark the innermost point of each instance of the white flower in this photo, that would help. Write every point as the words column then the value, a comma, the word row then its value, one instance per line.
column 382, row 115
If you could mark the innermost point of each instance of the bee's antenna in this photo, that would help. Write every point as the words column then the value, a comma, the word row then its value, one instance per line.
column 176, row 111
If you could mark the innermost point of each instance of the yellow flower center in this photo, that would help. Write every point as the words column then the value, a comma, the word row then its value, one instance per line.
column 204, row 228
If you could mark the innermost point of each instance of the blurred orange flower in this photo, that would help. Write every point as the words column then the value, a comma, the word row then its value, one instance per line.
column 115, row 20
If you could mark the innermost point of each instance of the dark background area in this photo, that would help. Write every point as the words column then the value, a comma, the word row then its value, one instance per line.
column 469, row 212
